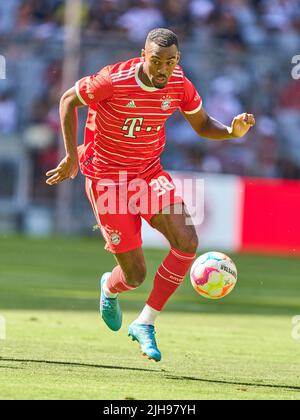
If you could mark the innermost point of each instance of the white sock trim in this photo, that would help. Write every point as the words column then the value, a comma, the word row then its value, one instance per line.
column 107, row 293
column 147, row 316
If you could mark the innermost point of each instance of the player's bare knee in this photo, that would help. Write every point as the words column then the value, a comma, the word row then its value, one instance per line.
column 193, row 244
column 187, row 242
column 136, row 276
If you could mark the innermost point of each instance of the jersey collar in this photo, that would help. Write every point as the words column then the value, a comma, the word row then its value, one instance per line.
column 140, row 83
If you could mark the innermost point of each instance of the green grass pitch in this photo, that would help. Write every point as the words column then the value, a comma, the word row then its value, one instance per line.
column 57, row 347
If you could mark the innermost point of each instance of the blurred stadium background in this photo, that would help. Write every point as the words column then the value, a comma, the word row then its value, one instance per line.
column 239, row 55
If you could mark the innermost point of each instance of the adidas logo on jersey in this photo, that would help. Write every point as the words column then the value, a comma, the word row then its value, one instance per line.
column 131, row 104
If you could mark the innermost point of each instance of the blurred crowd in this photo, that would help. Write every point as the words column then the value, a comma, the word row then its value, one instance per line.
column 237, row 21
column 237, row 52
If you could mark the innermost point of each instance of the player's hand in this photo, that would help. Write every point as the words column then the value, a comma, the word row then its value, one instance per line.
column 241, row 124
column 67, row 169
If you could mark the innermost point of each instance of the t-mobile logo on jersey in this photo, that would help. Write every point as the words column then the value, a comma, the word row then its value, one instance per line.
column 132, row 125
column 2, row 328
column 296, row 69
column 2, row 67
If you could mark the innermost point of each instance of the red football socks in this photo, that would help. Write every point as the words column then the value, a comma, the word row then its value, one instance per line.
column 169, row 276
column 117, row 282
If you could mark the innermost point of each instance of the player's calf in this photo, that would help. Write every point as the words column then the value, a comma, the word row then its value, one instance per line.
column 136, row 275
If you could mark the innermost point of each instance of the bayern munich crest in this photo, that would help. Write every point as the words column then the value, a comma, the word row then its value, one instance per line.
column 166, row 102
column 115, row 238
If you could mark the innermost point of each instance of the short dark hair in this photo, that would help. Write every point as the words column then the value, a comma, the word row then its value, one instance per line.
column 162, row 37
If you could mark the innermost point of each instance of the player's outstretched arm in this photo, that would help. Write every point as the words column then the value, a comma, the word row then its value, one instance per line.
column 208, row 127
column 68, row 167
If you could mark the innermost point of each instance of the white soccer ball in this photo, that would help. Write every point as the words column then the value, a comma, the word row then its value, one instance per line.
column 213, row 275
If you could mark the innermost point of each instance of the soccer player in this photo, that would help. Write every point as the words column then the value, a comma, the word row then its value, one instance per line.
column 129, row 103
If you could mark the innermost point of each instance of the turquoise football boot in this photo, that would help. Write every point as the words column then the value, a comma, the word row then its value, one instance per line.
column 110, row 309
column 145, row 335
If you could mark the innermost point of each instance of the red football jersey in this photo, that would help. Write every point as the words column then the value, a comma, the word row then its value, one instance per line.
column 125, row 128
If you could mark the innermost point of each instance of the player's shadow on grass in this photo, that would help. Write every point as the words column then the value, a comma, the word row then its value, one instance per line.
column 246, row 384
column 165, row 375
column 11, row 367
column 75, row 364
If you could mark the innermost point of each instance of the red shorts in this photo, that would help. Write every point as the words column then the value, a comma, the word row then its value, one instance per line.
column 119, row 209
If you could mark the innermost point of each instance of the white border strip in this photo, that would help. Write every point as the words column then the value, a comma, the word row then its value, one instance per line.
column 194, row 111
column 78, row 93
